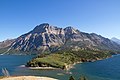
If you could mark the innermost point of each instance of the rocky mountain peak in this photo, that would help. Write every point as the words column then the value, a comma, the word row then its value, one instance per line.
column 41, row 28
column 70, row 30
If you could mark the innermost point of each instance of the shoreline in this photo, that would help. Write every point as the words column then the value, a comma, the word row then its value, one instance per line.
column 68, row 67
column 42, row 68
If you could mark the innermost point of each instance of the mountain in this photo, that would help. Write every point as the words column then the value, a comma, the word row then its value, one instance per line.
column 6, row 43
column 116, row 40
column 47, row 38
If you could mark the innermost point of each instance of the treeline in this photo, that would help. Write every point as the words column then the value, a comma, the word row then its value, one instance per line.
column 81, row 78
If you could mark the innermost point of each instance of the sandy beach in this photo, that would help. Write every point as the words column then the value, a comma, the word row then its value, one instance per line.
column 28, row 78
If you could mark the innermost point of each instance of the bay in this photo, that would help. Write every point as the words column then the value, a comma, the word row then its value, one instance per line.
column 108, row 69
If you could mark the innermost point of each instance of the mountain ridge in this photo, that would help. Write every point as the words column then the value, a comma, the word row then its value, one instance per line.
column 115, row 40
column 47, row 38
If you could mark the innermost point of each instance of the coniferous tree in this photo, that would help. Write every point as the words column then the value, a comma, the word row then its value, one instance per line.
column 71, row 78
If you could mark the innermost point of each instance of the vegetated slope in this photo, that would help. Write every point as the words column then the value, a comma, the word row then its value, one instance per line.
column 64, row 59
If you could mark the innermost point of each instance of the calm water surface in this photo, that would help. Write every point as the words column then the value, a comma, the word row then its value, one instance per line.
column 108, row 69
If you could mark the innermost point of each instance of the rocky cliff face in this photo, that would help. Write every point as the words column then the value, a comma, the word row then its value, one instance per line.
column 45, row 37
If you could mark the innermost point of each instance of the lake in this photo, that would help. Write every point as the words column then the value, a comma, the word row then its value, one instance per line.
column 108, row 69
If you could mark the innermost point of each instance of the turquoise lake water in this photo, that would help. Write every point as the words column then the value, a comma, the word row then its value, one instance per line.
column 108, row 69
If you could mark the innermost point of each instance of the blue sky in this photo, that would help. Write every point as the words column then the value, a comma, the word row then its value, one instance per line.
column 99, row 16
